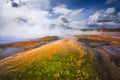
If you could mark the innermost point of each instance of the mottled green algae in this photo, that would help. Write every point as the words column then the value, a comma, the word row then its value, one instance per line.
column 70, row 65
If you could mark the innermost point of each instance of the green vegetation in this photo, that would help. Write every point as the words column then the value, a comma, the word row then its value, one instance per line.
column 68, row 65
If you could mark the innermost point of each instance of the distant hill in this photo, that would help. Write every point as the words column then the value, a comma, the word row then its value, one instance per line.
column 109, row 29
column 102, row 29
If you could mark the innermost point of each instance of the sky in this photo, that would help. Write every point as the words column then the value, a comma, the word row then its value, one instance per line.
column 40, row 18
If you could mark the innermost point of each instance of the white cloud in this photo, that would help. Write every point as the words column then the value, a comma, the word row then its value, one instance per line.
column 33, row 20
column 68, row 13
column 111, row 10
column 72, row 17
column 40, row 4
column 61, row 10
column 105, row 18
column 111, row 1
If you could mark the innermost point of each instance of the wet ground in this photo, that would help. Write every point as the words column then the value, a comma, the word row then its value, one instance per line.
column 100, row 49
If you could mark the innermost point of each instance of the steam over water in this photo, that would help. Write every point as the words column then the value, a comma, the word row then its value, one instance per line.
column 38, row 18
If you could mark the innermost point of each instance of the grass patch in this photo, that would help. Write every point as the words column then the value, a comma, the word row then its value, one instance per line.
column 70, row 65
